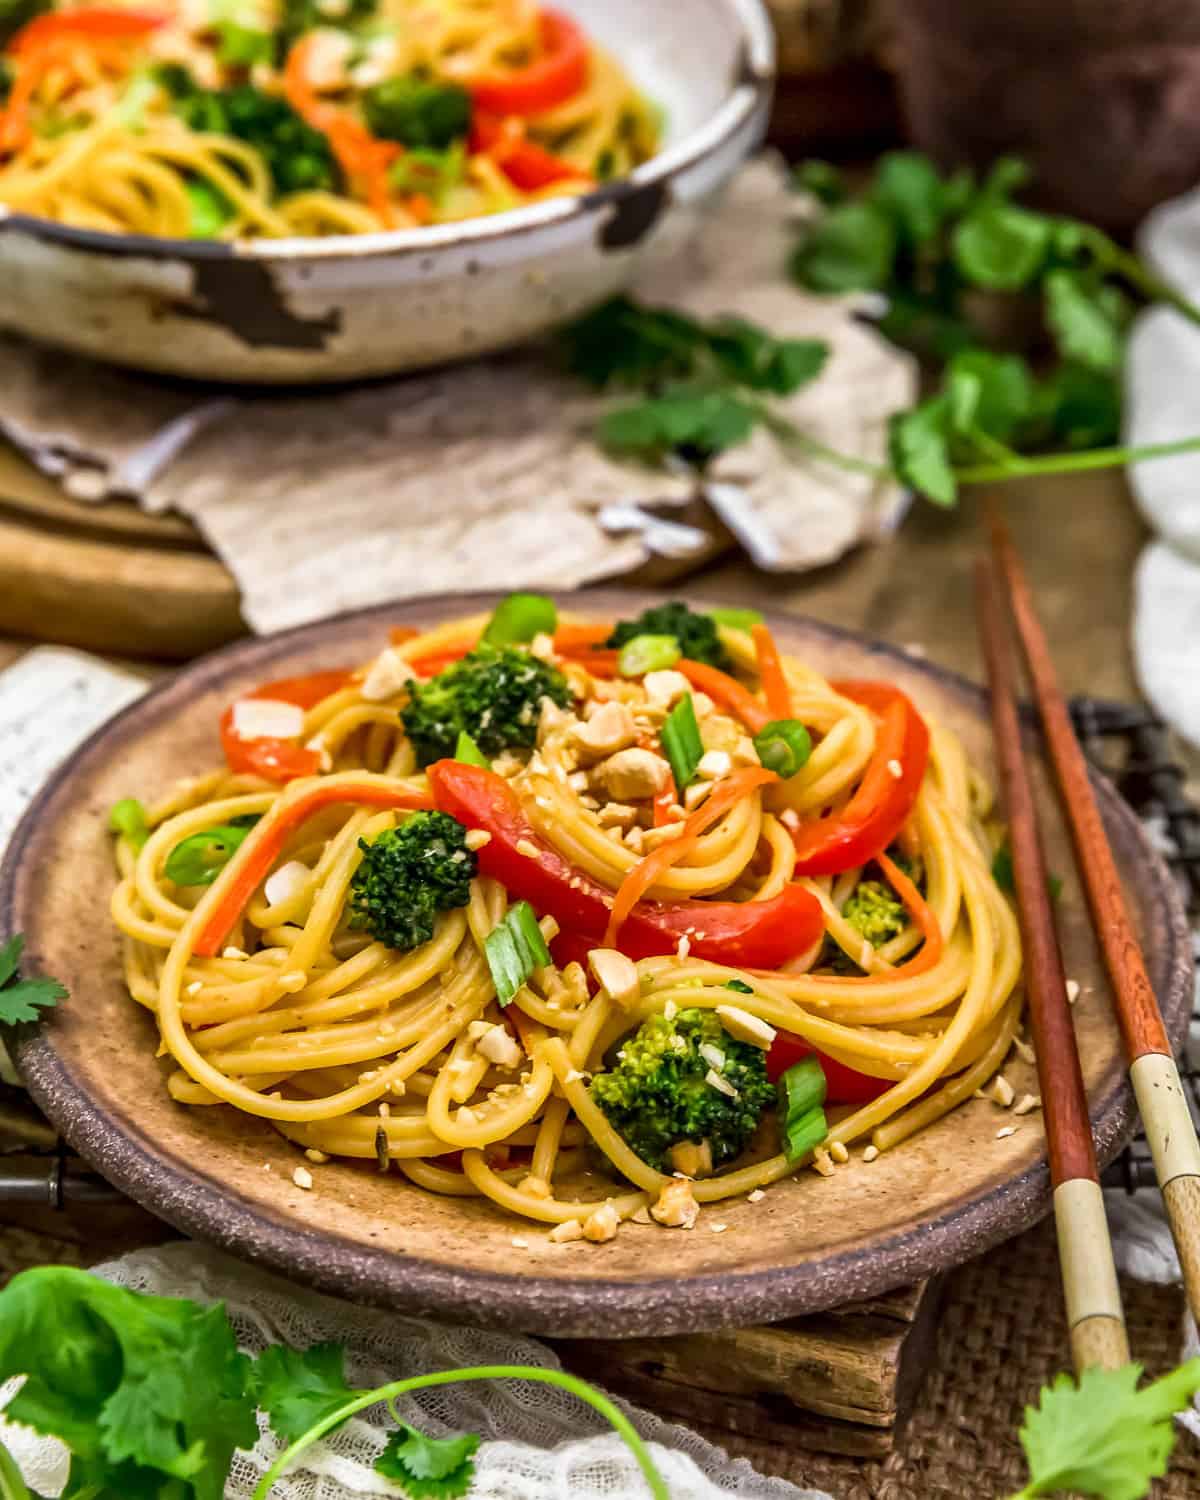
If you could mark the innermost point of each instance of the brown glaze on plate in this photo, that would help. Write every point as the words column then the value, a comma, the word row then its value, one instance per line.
column 811, row 1243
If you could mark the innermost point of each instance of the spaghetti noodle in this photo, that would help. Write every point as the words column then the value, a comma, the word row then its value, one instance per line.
column 306, row 117
column 843, row 912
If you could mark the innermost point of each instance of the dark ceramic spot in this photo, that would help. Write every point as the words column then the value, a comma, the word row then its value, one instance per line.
column 243, row 297
column 635, row 211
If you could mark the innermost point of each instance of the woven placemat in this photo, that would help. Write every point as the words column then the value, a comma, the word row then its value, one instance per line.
column 1002, row 1336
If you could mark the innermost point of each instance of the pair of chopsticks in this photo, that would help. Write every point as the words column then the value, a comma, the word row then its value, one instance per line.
column 1094, row 1314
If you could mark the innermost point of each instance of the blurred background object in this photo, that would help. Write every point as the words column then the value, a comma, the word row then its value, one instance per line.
column 835, row 93
column 1102, row 99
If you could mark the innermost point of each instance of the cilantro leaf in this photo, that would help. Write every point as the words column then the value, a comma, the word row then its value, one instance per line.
column 429, row 1468
column 1004, row 387
column 23, row 999
column 822, row 180
column 752, row 357
column 1088, row 319
column 1104, row 1437
column 853, row 248
column 695, row 421
column 1001, row 247
column 910, row 187
column 621, row 343
column 297, row 1388
column 919, row 447
column 116, row 1375
column 1077, row 407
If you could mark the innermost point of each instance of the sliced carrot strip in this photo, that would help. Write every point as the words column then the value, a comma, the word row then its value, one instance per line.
column 264, row 843
column 725, row 794
column 727, row 693
column 771, row 674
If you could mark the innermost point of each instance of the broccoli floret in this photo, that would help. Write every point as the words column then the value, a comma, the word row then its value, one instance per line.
column 17, row 13
column 298, row 157
column 876, row 912
column 657, row 1095
column 696, row 634
column 493, row 695
column 419, row 113
column 409, row 874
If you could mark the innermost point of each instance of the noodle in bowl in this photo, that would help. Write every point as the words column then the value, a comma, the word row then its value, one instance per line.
column 311, row 288
column 706, row 895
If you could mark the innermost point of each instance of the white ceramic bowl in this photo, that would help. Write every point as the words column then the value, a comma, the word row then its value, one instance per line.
column 275, row 311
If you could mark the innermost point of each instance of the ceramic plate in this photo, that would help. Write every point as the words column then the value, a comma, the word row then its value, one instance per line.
column 809, row 1244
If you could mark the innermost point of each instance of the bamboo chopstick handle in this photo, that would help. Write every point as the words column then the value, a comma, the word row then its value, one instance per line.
column 1172, row 1137
column 1089, row 1276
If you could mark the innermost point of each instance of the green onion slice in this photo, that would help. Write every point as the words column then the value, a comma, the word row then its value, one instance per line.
column 647, row 653
column 802, row 1123
column 467, row 751
column 128, row 817
column 681, row 743
column 519, row 618
column 739, row 985
column 514, row 948
column 783, row 746
column 736, row 619
column 199, row 859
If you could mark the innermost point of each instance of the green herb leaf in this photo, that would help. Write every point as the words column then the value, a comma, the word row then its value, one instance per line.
column 750, row 356
column 681, row 742
column 822, row 180
column 1002, row 874
column 1077, row 408
column 429, row 1468
column 514, row 948
column 148, row 1392
column 910, row 187
column 1088, row 319
column 919, row 446
column 1104, row 1437
column 241, row 46
column 621, row 343
column 128, row 817
column 200, row 858
column 739, row 985
column 1003, row 390
column 297, row 1388
column 647, row 653
column 519, row 618
column 1001, row 247
column 853, row 248
column 697, row 421
column 23, row 999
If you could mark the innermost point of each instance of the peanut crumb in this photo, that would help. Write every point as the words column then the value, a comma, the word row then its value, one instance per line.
column 756, row 1196
column 316, row 1156
column 302, row 1177
column 870, row 1153
column 477, row 838
column 838, row 1151
column 1026, row 1104
column 564, row 1233
column 1002, row 1091
column 1006, row 1132
column 822, row 1162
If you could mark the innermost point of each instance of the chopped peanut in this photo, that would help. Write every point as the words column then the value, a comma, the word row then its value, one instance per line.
column 662, row 688
column 499, row 1046
column 677, row 1207
column 692, row 1158
column 610, row 729
column 601, row 1224
column 617, row 815
column 564, row 1233
column 714, row 764
column 616, row 974
column 634, row 774
column 745, row 1027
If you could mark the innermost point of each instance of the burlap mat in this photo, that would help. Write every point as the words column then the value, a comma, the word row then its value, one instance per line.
column 1001, row 1337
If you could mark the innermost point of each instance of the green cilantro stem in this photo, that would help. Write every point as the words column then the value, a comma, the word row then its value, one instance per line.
column 570, row 1383
column 1072, row 463
column 788, row 432
column 1134, row 270
column 12, row 1485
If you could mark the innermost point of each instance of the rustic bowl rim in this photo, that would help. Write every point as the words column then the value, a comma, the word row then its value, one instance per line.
column 588, row 1305
column 747, row 93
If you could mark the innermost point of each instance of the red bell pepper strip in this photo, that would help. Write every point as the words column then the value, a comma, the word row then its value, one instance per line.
column 743, row 934
column 276, row 759
column 725, row 794
column 552, row 78
column 526, row 164
column 771, row 674
column 266, row 841
column 843, row 1085
column 873, row 817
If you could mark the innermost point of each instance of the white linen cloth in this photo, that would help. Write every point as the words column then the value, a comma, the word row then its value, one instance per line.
column 1162, row 404
column 484, row 475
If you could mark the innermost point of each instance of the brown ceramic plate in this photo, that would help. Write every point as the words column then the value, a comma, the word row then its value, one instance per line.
column 810, row 1244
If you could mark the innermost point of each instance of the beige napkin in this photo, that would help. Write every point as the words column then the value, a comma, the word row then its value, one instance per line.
column 484, row 476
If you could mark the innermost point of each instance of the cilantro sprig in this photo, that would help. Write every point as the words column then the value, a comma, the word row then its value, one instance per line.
column 152, row 1396
column 931, row 245
column 23, row 999
column 702, row 386
column 1103, row 1436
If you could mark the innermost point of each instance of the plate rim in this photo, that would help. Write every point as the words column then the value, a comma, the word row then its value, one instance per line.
column 581, row 1305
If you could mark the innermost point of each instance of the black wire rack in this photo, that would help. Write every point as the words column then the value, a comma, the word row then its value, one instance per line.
column 1125, row 741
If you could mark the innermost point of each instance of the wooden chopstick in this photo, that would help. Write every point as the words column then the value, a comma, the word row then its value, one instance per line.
column 1094, row 1314
column 1160, row 1093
